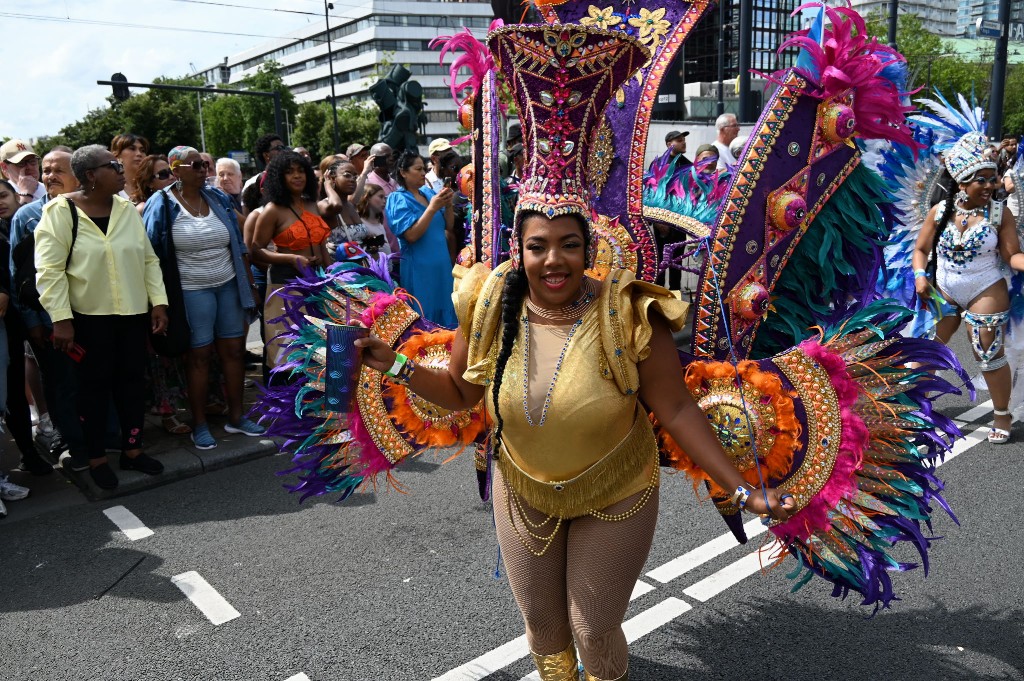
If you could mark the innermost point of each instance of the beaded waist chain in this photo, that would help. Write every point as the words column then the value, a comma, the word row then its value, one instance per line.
column 593, row 489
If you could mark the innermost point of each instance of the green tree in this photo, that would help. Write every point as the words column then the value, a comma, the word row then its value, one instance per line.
column 165, row 117
column 932, row 61
column 99, row 126
column 357, row 122
column 237, row 125
column 313, row 119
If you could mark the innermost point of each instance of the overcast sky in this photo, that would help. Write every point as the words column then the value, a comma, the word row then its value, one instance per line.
column 53, row 64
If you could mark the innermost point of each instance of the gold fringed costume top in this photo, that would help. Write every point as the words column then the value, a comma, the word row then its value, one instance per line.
column 595, row 446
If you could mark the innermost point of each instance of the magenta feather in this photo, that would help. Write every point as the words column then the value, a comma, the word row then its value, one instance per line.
column 475, row 58
column 848, row 59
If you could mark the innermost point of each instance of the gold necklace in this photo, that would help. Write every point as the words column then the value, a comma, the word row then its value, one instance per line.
column 570, row 312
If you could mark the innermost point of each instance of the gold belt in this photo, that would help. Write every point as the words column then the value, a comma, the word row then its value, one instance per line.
column 595, row 488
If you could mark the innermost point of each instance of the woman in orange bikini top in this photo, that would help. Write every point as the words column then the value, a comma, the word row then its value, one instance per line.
column 290, row 220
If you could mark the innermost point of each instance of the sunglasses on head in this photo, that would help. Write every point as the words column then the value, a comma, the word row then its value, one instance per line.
column 116, row 165
column 163, row 174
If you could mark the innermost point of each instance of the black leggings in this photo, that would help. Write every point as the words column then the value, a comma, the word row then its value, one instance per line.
column 19, row 418
column 113, row 366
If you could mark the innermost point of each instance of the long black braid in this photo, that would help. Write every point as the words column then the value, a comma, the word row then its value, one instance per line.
column 511, row 303
column 951, row 187
column 512, row 295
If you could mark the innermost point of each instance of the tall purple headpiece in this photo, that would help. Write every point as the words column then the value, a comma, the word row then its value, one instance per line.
column 562, row 78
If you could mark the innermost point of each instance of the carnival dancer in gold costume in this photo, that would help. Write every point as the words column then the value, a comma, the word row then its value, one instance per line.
column 562, row 362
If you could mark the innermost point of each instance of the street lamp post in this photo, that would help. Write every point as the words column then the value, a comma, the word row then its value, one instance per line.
column 330, row 65
column 995, row 114
column 721, row 57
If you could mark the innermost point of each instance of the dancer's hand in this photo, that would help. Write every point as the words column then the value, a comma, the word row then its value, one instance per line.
column 923, row 286
column 376, row 353
column 780, row 505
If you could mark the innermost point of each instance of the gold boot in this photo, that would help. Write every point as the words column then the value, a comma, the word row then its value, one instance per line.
column 590, row 677
column 558, row 667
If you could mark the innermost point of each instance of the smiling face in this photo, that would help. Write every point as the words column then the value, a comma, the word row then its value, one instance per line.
column 162, row 176
column 979, row 188
column 229, row 178
column 554, row 258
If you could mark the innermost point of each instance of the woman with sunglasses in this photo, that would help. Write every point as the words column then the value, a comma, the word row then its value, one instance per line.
column 154, row 174
column 960, row 255
column 100, row 282
column 195, row 233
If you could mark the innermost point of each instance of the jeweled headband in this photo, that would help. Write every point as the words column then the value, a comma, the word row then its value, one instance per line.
column 967, row 157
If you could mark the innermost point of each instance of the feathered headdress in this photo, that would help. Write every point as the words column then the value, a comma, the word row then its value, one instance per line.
column 562, row 78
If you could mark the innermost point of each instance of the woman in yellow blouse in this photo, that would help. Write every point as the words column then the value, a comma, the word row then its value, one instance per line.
column 100, row 282
column 562, row 361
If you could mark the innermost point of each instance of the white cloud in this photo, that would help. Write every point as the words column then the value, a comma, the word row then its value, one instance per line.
column 54, row 65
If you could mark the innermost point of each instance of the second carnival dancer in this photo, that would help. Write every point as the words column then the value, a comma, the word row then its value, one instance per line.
column 961, row 250
column 561, row 362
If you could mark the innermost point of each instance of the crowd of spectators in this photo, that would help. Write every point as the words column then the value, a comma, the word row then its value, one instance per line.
column 133, row 278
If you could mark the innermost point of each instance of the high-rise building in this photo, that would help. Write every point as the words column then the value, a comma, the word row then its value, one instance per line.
column 690, row 87
column 365, row 34
column 969, row 11
column 939, row 17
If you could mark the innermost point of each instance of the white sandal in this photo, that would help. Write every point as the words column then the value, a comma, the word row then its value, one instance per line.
column 999, row 436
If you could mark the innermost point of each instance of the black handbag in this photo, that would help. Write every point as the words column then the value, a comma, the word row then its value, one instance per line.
column 178, row 339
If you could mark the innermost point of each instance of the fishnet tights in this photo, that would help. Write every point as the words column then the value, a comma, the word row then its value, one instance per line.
column 579, row 589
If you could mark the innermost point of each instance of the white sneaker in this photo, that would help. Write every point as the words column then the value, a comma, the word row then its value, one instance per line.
column 45, row 427
column 11, row 492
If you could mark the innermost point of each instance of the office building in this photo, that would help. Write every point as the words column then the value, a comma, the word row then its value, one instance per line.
column 939, row 17
column 690, row 89
column 365, row 33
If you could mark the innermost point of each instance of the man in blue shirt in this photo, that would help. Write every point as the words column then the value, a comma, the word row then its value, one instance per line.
column 56, row 367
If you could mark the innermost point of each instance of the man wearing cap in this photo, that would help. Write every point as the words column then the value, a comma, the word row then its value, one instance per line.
column 357, row 155
column 20, row 165
column 437, row 149
column 56, row 367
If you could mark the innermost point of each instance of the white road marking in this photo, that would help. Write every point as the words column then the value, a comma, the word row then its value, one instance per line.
column 128, row 523
column 644, row 623
column 975, row 413
column 205, row 597
column 639, row 589
column 732, row 574
column 488, row 663
column 969, row 440
column 703, row 553
column 298, row 677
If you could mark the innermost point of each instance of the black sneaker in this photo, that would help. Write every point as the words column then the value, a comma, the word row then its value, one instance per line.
column 143, row 463
column 104, row 476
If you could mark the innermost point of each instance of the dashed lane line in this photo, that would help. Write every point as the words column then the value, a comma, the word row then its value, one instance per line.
column 703, row 553
column 975, row 413
column 205, row 597
column 728, row 576
column 298, row 677
column 128, row 523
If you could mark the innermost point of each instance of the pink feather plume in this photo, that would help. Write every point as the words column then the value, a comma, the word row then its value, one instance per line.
column 848, row 58
column 475, row 57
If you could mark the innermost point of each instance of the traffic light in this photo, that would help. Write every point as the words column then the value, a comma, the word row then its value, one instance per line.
column 120, row 91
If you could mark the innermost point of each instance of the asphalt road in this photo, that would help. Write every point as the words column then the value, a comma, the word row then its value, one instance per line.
column 401, row 586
